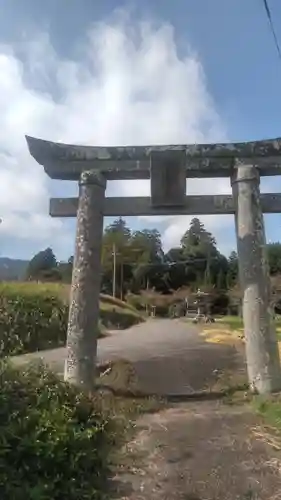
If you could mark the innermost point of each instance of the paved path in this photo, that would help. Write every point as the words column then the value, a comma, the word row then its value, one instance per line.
column 169, row 356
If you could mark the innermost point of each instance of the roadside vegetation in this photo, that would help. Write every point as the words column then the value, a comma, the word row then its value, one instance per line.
column 33, row 316
column 55, row 441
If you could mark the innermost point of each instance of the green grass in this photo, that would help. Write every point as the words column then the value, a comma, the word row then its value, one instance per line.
column 232, row 322
column 269, row 409
column 236, row 323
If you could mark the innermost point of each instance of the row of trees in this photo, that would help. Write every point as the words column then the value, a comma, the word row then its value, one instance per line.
column 135, row 260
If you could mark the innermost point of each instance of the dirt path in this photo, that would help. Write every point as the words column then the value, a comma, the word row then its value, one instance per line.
column 202, row 451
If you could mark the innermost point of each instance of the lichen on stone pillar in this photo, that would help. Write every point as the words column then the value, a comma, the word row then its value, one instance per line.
column 82, row 333
column 261, row 342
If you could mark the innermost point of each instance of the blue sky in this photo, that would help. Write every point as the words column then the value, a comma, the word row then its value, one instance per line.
column 67, row 73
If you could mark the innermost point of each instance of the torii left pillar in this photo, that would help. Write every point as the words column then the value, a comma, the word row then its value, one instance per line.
column 82, row 333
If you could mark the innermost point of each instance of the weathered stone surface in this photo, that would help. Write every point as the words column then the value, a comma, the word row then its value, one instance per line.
column 82, row 330
column 137, row 206
column 63, row 161
column 168, row 180
column 42, row 150
column 261, row 343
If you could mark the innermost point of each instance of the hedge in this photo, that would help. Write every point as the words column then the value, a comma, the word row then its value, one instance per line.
column 34, row 318
column 31, row 322
column 55, row 442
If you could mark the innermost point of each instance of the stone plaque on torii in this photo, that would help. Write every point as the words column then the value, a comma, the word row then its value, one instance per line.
column 167, row 167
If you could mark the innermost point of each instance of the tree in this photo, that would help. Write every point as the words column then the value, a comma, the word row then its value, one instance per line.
column 135, row 254
column 147, row 253
column 274, row 257
column 115, row 248
column 149, row 245
column 65, row 270
column 196, row 240
column 232, row 274
column 42, row 263
column 117, row 234
column 174, row 255
column 200, row 251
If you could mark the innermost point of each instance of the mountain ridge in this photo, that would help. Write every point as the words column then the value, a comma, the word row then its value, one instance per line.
column 12, row 269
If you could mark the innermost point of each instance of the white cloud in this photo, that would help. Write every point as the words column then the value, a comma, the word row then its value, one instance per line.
column 130, row 87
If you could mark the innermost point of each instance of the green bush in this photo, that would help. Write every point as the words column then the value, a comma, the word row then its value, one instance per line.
column 54, row 441
column 31, row 322
column 33, row 317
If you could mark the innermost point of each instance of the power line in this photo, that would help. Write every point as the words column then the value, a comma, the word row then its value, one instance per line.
column 269, row 16
column 173, row 263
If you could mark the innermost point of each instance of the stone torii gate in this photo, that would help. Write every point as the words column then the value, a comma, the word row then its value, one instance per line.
column 167, row 167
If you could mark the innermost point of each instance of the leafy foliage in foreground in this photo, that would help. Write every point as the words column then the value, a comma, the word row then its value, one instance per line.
column 54, row 441
column 30, row 321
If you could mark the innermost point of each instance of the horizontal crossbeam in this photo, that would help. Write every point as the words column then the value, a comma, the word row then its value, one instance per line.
column 66, row 162
column 137, row 206
column 130, row 170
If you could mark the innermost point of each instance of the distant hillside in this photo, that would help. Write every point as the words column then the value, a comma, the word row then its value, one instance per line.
column 12, row 269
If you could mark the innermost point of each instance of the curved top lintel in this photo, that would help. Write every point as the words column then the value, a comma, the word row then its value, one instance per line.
column 64, row 161
column 44, row 151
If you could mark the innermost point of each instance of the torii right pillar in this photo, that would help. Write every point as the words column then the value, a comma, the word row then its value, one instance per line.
column 262, row 353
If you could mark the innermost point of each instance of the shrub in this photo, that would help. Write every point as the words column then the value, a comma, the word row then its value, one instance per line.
column 33, row 317
column 54, row 441
column 30, row 322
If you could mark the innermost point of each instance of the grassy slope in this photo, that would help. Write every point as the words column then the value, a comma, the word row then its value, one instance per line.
column 108, row 304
